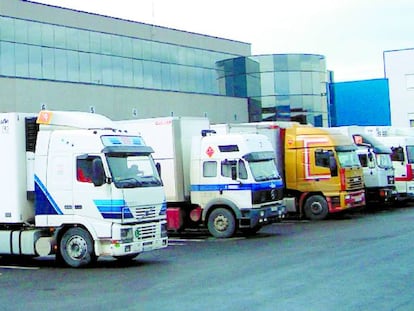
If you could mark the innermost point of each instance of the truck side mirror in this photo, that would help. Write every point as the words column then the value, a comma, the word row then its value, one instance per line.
column 158, row 167
column 98, row 173
column 333, row 166
column 370, row 156
column 234, row 173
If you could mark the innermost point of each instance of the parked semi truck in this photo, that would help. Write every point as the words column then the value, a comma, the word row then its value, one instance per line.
column 377, row 166
column 321, row 170
column 222, row 182
column 67, row 189
column 401, row 142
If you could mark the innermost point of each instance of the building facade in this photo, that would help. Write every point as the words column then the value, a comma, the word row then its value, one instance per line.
column 399, row 70
column 63, row 59
column 289, row 87
column 364, row 103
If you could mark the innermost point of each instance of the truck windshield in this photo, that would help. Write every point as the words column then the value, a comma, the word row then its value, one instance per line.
column 384, row 160
column 133, row 171
column 348, row 158
column 264, row 170
column 410, row 154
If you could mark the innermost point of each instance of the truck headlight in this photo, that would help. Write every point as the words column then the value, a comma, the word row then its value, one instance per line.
column 126, row 235
column 164, row 232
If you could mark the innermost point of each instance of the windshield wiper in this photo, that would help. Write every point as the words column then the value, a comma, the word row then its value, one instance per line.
column 150, row 180
column 128, row 183
column 261, row 178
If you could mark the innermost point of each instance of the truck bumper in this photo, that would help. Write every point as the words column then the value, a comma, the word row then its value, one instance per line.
column 122, row 249
column 252, row 218
column 346, row 200
column 134, row 239
column 381, row 195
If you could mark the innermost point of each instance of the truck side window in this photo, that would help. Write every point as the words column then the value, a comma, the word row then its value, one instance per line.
column 233, row 169
column 242, row 170
column 363, row 158
column 397, row 154
column 226, row 168
column 84, row 169
column 210, row 169
column 322, row 158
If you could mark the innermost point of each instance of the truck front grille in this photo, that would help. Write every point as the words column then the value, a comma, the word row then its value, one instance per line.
column 354, row 183
column 147, row 232
column 264, row 196
column 143, row 213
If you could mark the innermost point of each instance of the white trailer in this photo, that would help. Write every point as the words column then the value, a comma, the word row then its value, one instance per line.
column 67, row 190
column 224, row 182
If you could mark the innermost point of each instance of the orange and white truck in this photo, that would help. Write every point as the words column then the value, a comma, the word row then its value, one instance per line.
column 321, row 170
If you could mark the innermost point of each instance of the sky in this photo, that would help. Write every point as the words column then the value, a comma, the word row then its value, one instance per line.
column 351, row 34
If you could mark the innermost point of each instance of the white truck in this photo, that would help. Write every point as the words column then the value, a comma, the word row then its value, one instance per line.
column 375, row 158
column 67, row 190
column 222, row 182
column 401, row 142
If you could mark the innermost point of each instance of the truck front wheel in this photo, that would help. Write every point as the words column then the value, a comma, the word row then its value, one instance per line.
column 316, row 207
column 221, row 223
column 76, row 248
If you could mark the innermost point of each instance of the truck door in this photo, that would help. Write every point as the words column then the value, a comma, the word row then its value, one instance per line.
column 89, row 199
column 402, row 176
column 368, row 164
column 234, row 177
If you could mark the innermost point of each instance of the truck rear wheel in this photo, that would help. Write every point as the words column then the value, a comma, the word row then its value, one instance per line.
column 221, row 223
column 76, row 248
column 316, row 207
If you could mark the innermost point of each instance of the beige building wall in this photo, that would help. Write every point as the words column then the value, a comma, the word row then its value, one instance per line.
column 117, row 103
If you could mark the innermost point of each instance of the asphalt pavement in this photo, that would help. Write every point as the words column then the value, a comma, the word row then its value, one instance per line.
column 362, row 261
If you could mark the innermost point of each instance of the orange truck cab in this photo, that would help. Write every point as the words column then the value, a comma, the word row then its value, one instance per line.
column 322, row 171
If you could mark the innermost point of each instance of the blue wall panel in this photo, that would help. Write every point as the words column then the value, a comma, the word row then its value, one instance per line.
column 365, row 102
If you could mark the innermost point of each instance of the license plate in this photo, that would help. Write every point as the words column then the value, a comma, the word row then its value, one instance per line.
column 358, row 198
column 147, row 246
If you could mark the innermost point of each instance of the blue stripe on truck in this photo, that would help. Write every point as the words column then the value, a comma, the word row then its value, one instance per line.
column 275, row 184
column 44, row 203
column 113, row 209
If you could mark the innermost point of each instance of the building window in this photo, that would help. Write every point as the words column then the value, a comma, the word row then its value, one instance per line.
column 34, row 50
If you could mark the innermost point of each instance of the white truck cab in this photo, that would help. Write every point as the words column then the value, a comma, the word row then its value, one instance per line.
column 77, row 195
column 224, row 182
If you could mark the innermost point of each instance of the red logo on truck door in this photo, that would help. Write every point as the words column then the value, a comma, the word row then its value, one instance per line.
column 210, row 151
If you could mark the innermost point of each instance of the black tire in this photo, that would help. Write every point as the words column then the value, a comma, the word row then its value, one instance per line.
column 250, row 231
column 221, row 223
column 316, row 208
column 76, row 248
